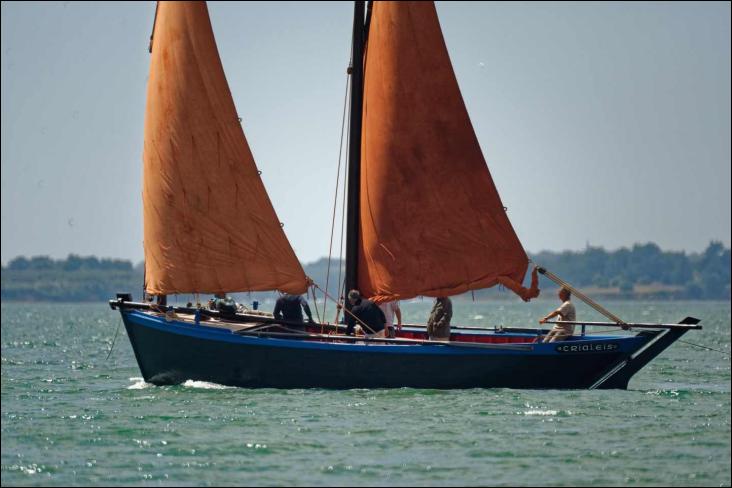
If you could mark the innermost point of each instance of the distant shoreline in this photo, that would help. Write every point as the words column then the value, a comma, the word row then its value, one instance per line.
column 643, row 272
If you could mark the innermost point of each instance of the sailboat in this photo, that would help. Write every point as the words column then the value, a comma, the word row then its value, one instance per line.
column 424, row 219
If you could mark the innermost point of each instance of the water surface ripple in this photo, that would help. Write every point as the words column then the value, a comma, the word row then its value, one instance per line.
column 70, row 417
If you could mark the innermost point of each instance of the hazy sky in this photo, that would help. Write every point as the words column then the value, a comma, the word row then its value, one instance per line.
column 600, row 123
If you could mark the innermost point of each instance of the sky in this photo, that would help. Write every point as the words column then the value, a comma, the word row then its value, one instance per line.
column 605, row 124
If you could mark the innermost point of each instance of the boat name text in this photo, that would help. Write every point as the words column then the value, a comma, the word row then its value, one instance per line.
column 604, row 347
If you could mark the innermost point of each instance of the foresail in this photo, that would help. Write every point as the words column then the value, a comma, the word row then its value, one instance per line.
column 209, row 224
column 432, row 222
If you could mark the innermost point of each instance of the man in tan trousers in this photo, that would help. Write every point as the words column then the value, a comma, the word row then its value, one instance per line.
column 566, row 313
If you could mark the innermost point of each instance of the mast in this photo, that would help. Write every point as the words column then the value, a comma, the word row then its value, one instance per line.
column 354, row 153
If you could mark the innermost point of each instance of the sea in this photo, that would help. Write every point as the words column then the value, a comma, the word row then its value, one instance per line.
column 75, row 411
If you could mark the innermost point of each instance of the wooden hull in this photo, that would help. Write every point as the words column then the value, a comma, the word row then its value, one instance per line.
column 171, row 352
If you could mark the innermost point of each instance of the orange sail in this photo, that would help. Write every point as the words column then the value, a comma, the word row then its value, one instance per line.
column 209, row 224
column 432, row 222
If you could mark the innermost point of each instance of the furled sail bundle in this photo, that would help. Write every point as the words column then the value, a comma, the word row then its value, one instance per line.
column 209, row 225
column 432, row 222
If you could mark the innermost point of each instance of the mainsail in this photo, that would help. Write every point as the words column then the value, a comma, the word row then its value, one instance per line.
column 432, row 222
column 209, row 224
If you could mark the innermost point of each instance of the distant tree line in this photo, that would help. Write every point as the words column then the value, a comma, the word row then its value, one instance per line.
column 72, row 263
column 645, row 266
column 643, row 271
column 74, row 279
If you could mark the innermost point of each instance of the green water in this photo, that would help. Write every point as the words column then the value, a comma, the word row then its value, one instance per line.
column 70, row 417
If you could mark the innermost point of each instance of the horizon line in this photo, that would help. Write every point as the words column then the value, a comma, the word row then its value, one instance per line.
column 304, row 263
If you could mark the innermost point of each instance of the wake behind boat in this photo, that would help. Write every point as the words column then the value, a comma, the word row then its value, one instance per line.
column 211, row 228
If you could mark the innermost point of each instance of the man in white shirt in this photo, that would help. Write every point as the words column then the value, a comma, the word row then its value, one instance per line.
column 566, row 313
column 390, row 310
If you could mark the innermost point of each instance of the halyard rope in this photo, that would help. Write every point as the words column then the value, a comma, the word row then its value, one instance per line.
column 335, row 197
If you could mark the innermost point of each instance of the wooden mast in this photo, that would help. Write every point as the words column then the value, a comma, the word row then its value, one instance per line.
column 354, row 153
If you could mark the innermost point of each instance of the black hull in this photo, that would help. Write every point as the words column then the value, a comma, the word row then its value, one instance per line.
column 169, row 353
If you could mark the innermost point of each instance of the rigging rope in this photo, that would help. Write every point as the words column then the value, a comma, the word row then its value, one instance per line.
column 726, row 353
column 556, row 279
column 152, row 34
column 315, row 301
column 115, row 338
column 341, row 279
column 335, row 197
column 601, row 331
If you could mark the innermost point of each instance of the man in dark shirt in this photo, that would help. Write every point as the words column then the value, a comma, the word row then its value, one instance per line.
column 367, row 312
column 289, row 307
